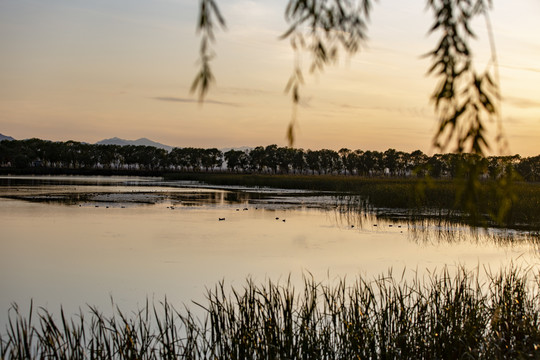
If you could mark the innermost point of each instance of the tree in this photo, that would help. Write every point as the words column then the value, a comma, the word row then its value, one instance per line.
column 529, row 168
column 329, row 160
column 344, row 154
column 390, row 161
column 179, row 158
column 299, row 160
column 464, row 98
column 270, row 158
column 434, row 166
column 232, row 157
column 285, row 158
column 257, row 158
column 211, row 158
column 313, row 161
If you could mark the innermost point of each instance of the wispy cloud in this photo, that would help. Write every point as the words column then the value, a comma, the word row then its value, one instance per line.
column 521, row 102
column 188, row 100
column 522, row 68
column 245, row 91
column 510, row 120
column 414, row 111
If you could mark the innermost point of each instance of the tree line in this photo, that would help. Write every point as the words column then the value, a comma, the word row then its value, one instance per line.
column 270, row 159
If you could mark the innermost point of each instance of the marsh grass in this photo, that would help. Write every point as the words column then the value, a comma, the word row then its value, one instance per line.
column 521, row 209
column 447, row 314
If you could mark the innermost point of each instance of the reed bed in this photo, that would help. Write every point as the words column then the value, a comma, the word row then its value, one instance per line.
column 449, row 314
column 406, row 193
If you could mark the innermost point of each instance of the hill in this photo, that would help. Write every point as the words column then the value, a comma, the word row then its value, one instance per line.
column 138, row 142
column 5, row 137
column 241, row 148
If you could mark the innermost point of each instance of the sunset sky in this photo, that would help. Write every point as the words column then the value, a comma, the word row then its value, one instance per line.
column 86, row 70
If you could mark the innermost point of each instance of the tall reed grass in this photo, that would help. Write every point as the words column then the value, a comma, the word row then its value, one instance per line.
column 405, row 193
column 450, row 314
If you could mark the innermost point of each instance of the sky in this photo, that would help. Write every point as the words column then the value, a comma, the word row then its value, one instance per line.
column 86, row 70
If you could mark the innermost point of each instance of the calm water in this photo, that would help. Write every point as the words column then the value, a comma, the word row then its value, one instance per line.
column 73, row 241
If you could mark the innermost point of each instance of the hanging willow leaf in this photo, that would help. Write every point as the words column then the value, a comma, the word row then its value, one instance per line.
column 464, row 98
column 208, row 14
column 323, row 28
column 459, row 82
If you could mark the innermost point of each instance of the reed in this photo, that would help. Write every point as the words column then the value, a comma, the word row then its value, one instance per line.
column 450, row 314
column 521, row 208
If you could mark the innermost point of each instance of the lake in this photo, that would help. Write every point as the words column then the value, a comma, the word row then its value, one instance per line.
column 71, row 241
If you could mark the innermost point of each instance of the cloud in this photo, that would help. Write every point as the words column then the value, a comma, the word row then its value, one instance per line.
column 188, row 100
column 522, row 68
column 521, row 102
column 245, row 91
column 410, row 111
column 512, row 121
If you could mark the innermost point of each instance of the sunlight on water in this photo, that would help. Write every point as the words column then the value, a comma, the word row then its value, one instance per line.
column 83, row 242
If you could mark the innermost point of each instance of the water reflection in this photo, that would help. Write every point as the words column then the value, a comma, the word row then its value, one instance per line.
column 7, row 181
column 82, row 240
column 423, row 227
column 344, row 210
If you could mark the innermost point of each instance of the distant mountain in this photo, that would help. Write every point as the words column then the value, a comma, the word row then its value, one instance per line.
column 141, row 141
column 241, row 148
column 4, row 137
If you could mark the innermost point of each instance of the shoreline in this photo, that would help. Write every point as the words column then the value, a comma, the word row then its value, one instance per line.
column 381, row 192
